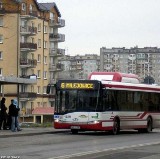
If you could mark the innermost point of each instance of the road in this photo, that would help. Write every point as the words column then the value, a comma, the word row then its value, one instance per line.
column 99, row 145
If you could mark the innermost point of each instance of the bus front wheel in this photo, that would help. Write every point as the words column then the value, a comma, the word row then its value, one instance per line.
column 74, row 131
column 116, row 127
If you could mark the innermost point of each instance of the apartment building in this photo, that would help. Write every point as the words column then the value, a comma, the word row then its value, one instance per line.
column 141, row 61
column 78, row 66
column 29, row 38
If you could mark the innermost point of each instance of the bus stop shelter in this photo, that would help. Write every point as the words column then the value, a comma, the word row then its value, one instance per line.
column 16, row 80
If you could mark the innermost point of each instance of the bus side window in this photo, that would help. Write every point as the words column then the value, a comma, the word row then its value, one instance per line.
column 107, row 100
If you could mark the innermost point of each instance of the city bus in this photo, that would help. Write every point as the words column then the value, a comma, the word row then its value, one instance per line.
column 93, row 105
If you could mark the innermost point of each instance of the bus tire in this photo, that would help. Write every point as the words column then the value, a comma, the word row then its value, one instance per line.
column 116, row 127
column 74, row 131
column 149, row 125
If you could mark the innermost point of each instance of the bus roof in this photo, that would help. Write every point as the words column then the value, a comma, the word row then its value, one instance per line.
column 114, row 76
column 130, row 86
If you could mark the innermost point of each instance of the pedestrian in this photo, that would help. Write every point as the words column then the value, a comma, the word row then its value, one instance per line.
column 10, row 114
column 3, row 114
column 15, row 102
column 13, row 112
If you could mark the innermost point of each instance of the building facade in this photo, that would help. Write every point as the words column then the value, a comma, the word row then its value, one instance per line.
column 141, row 61
column 29, row 38
column 79, row 66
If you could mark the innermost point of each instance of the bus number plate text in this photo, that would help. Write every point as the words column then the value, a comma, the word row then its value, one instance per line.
column 75, row 127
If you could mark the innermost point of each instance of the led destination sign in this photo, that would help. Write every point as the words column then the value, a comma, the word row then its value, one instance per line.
column 77, row 84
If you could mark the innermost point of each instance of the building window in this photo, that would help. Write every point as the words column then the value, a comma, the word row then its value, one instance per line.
column 39, row 43
column 38, row 89
column 0, row 71
column 1, row 5
column 32, row 88
column 44, row 89
column 30, row 8
column 32, row 40
column 44, row 104
column 23, row 39
column 39, row 27
column 1, row 21
column 0, row 88
column 51, row 16
column 45, row 59
column 23, row 6
column 32, row 24
column 39, row 58
column 0, row 54
column 38, row 74
column 45, row 29
column 45, row 44
column 1, row 39
column 39, row 104
column 45, row 74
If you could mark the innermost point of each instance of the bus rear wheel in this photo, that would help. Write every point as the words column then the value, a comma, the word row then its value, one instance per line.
column 116, row 127
column 149, row 125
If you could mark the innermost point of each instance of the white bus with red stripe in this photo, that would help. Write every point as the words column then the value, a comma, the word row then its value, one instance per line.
column 92, row 105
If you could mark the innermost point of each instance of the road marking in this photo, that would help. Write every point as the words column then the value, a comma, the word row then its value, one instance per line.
column 104, row 150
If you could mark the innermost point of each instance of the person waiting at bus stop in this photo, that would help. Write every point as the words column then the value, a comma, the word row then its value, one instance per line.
column 3, row 114
column 13, row 112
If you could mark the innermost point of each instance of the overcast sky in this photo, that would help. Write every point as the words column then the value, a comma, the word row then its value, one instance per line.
column 92, row 24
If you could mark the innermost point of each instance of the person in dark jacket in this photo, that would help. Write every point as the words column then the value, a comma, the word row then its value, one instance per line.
column 3, row 114
column 13, row 112
column 10, row 114
column 15, row 102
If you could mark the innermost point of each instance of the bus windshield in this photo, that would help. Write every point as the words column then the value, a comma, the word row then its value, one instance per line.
column 77, row 100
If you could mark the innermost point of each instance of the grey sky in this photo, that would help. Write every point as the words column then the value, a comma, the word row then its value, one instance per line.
column 92, row 24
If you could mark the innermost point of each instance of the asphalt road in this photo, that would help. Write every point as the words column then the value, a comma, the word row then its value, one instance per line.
column 89, row 145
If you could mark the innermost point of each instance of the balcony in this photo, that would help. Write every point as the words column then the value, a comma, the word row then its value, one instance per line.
column 24, row 62
column 57, row 24
column 27, row 96
column 28, row 30
column 29, row 15
column 25, row 76
column 57, row 37
column 33, row 76
column 28, row 46
column 79, row 68
column 73, row 63
column 57, row 52
column 56, row 67
column 73, row 68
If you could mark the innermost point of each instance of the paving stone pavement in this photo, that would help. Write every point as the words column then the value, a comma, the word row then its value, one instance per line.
column 29, row 131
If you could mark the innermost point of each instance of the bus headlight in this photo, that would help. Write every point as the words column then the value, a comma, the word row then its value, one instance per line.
column 93, row 122
column 56, row 120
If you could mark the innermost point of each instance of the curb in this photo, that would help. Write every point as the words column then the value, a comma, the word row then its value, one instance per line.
column 32, row 133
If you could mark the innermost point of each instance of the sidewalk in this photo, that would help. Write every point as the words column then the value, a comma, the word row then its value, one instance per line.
column 29, row 131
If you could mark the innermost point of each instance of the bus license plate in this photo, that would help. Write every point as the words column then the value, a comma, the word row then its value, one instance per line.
column 75, row 127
